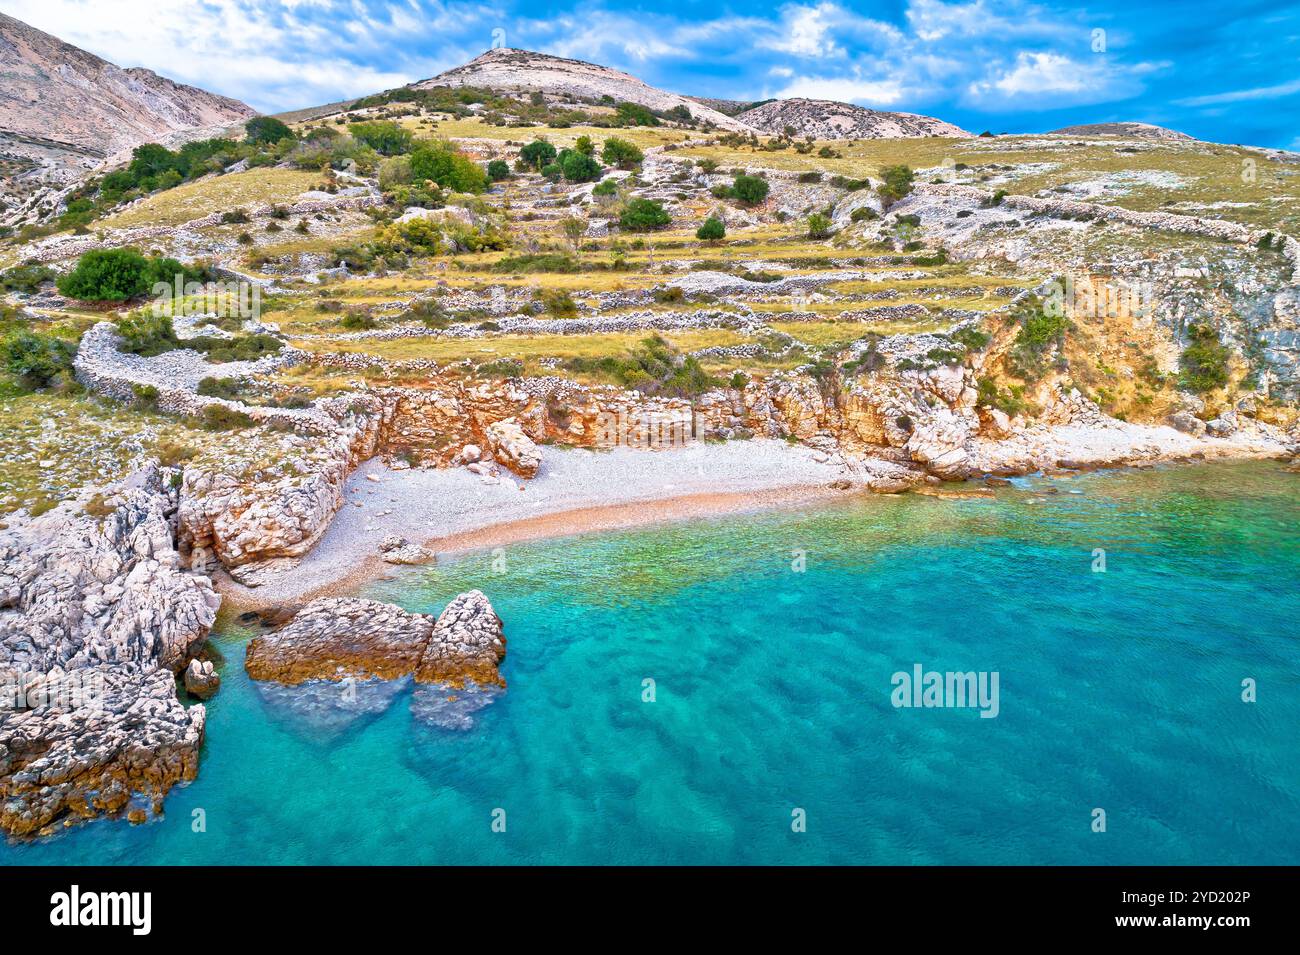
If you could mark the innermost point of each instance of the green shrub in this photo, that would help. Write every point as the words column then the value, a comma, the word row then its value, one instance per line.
column 558, row 303
column 538, row 154
column 750, row 190
column 436, row 161
column 538, row 262
column 607, row 187
column 634, row 114
column 227, row 388
column 221, row 418
column 621, row 153
column 1040, row 332
column 579, row 167
column 863, row 214
column 144, row 333
column 36, row 359
column 654, row 367
column 641, row 215
column 146, row 396
column 498, row 169
column 108, row 275
column 713, row 230
column 819, row 226
column 383, row 136
column 267, row 129
column 1204, row 362
column 896, row 182
column 25, row 278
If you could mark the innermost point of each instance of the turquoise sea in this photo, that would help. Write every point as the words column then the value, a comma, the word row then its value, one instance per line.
column 1119, row 690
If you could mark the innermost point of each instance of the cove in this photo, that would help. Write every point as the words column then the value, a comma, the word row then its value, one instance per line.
column 1119, row 690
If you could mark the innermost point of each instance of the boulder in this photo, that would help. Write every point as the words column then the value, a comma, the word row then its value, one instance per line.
column 201, row 679
column 339, row 638
column 1187, row 423
column 98, row 616
column 395, row 549
column 513, row 448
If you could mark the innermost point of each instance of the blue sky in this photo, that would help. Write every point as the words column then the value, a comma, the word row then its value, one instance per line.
column 1229, row 73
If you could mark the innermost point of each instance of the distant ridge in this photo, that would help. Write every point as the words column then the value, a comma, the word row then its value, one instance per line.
column 827, row 119
column 1127, row 130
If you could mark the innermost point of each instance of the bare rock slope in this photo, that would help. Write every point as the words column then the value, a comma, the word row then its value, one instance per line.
column 525, row 71
column 1126, row 130
column 826, row 119
column 57, row 94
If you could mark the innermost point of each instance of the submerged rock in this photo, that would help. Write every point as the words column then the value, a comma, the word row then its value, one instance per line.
column 338, row 638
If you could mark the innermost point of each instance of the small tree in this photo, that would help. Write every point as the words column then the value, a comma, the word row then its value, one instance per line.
column 579, row 167
column 819, row 226
column 267, row 129
column 751, row 190
column 1204, row 362
column 712, row 231
column 574, row 230
column 621, row 153
column 641, row 215
column 538, row 154
column 498, row 169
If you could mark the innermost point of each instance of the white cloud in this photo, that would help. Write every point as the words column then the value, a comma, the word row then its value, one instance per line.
column 1050, row 80
column 1036, row 73
column 847, row 90
column 1238, row 96
column 272, row 54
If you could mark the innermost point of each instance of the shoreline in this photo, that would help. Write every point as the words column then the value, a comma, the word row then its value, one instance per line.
column 451, row 511
column 559, row 524
column 346, row 556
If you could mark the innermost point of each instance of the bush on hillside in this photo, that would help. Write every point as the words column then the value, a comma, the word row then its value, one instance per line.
column 641, row 215
column 267, row 129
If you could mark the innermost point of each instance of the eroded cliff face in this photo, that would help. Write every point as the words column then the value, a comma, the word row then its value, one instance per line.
column 903, row 428
column 97, row 615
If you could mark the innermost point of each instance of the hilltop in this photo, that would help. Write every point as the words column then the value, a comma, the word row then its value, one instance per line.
column 1127, row 130
column 523, row 71
column 826, row 119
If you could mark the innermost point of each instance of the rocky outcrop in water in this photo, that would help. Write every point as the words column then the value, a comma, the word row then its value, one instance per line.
column 342, row 638
column 97, row 615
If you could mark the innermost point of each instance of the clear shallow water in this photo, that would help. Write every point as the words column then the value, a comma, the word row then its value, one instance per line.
column 1118, row 690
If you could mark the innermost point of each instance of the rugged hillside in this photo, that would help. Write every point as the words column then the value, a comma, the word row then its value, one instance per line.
column 60, row 97
column 524, row 71
column 1127, row 130
column 826, row 119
